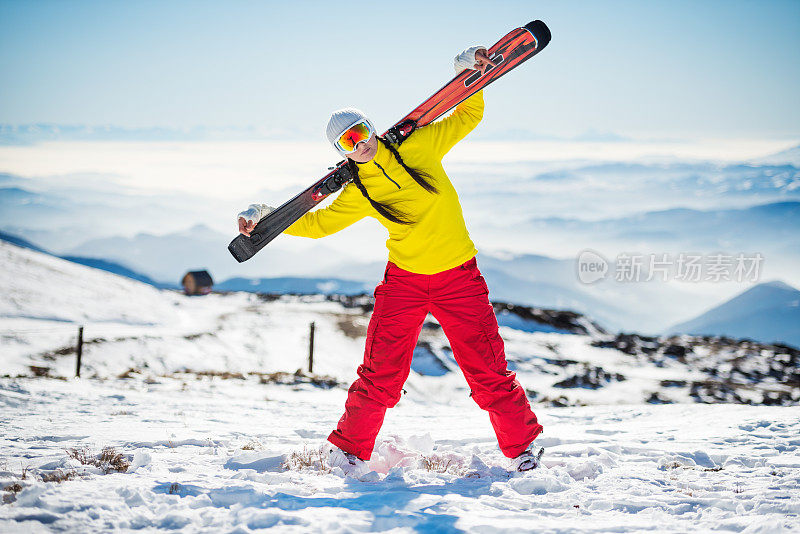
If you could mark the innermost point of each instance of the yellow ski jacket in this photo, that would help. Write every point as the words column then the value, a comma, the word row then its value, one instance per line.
column 437, row 239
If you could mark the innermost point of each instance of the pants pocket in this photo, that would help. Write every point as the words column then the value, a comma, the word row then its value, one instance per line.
column 368, row 345
column 491, row 334
column 374, row 321
column 476, row 279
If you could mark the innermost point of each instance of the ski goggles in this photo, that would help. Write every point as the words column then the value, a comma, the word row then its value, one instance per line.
column 357, row 133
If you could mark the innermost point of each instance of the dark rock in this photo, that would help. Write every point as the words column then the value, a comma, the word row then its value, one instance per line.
column 590, row 378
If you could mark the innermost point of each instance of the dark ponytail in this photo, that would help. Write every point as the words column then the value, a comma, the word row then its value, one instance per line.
column 390, row 212
column 420, row 177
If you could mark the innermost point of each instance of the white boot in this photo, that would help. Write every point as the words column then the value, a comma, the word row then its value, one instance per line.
column 530, row 459
column 351, row 464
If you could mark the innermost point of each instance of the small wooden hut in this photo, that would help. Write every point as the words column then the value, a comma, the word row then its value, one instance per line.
column 197, row 283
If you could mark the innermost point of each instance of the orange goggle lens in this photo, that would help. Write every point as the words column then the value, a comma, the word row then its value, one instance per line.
column 355, row 134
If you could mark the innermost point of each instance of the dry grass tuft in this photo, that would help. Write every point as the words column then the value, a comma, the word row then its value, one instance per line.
column 109, row 460
column 82, row 455
column 59, row 476
column 174, row 488
column 296, row 378
column 438, row 464
column 307, row 459
column 251, row 446
column 115, row 461
column 352, row 326
column 224, row 375
column 16, row 487
column 40, row 371
column 435, row 464
column 12, row 490
column 129, row 373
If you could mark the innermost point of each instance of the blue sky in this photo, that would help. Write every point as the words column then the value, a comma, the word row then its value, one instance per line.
column 641, row 69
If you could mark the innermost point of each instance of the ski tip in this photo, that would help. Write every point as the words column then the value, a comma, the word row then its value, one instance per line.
column 239, row 252
column 540, row 31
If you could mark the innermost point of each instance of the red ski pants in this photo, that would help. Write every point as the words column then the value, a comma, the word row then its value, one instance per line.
column 458, row 298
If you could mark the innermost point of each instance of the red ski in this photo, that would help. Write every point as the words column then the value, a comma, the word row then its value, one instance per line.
column 516, row 47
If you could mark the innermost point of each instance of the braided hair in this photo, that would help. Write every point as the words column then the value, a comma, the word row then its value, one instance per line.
column 386, row 210
column 420, row 177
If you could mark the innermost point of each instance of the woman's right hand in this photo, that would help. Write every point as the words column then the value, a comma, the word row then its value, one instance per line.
column 249, row 218
column 475, row 57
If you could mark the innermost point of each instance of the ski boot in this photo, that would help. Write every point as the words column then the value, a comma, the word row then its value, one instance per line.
column 351, row 464
column 530, row 459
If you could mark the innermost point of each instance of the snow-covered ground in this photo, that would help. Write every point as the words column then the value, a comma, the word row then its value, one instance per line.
column 184, row 390
column 206, row 456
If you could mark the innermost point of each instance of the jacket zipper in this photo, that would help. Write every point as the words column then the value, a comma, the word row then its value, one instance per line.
column 386, row 175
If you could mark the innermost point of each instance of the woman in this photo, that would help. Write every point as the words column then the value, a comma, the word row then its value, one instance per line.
column 431, row 268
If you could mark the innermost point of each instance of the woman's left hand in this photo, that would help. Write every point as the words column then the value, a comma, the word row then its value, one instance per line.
column 482, row 60
column 475, row 57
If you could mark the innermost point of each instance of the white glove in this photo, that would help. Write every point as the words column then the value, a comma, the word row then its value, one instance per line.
column 251, row 216
column 255, row 212
column 466, row 59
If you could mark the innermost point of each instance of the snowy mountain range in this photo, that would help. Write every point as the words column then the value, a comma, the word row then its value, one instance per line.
column 740, row 229
column 523, row 279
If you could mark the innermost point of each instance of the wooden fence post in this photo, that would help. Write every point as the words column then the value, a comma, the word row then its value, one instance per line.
column 79, row 352
column 311, row 349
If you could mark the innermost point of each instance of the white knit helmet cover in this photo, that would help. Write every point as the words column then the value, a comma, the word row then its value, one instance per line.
column 340, row 121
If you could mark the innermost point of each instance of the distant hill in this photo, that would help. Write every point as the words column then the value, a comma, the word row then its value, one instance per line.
column 768, row 312
column 40, row 286
column 96, row 263
column 20, row 242
column 116, row 268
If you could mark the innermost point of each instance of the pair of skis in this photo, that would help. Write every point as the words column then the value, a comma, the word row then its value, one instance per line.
column 516, row 47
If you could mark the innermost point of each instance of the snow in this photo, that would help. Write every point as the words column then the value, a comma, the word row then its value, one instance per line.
column 181, row 388
column 606, row 468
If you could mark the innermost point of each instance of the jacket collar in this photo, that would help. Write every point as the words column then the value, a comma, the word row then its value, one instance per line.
column 382, row 157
